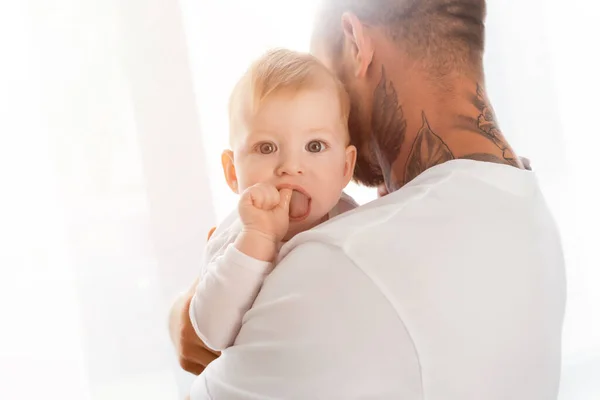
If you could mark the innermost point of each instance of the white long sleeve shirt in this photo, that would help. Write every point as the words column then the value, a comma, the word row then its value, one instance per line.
column 451, row 288
column 230, row 281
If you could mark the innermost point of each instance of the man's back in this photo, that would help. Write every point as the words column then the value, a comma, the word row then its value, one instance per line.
column 451, row 288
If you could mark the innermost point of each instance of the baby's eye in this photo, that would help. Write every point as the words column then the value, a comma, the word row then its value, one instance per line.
column 266, row 148
column 316, row 146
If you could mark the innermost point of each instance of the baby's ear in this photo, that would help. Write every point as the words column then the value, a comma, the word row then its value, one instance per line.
column 349, row 164
column 229, row 170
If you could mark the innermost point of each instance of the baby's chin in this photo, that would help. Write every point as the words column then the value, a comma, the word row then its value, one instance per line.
column 299, row 227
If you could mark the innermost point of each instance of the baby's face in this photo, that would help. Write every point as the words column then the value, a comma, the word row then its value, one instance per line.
column 297, row 141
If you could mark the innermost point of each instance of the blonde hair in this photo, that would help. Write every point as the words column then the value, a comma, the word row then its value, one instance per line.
column 278, row 71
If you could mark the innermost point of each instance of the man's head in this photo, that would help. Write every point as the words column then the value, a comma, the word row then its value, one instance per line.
column 428, row 42
column 288, row 128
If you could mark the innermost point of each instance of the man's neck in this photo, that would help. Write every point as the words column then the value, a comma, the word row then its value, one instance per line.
column 415, row 130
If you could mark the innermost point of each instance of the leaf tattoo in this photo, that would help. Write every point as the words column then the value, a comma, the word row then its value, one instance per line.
column 427, row 151
column 487, row 125
column 388, row 123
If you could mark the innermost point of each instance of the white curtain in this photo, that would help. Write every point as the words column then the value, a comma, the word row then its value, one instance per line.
column 108, row 197
column 112, row 120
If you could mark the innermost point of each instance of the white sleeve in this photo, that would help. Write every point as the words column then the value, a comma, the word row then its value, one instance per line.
column 224, row 294
column 319, row 329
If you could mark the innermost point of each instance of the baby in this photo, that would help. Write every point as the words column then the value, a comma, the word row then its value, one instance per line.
column 290, row 159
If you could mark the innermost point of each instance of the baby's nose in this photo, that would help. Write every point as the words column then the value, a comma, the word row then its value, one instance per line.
column 290, row 166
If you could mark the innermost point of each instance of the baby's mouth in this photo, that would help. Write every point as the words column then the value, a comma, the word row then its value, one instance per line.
column 299, row 206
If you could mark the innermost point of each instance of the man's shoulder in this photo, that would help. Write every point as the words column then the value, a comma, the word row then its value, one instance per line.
column 310, row 310
column 382, row 211
column 359, row 226
column 452, row 199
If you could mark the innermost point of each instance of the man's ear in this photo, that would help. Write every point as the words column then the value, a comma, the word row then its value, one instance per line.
column 359, row 44
column 229, row 170
column 350, row 164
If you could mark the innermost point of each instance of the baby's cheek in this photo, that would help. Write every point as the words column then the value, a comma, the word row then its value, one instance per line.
column 329, row 195
column 250, row 175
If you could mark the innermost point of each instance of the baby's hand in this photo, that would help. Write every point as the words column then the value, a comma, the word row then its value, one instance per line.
column 265, row 210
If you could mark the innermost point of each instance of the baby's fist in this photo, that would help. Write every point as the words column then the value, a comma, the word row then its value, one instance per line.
column 265, row 210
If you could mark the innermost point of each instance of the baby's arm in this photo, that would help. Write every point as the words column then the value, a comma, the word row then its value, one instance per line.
column 228, row 288
column 230, row 284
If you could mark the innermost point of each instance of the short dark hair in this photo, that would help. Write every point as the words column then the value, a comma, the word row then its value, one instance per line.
column 444, row 34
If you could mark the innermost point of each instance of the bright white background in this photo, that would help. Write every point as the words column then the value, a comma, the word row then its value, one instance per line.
column 112, row 119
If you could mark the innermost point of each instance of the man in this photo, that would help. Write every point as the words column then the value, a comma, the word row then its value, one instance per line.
column 450, row 287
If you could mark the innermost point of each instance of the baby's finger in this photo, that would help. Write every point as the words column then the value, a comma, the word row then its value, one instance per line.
column 258, row 197
column 274, row 196
column 246, row 199
column 285, row 195
column 270, row 196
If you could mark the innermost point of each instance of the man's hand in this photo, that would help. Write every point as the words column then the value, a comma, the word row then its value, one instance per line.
column 193, row 355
